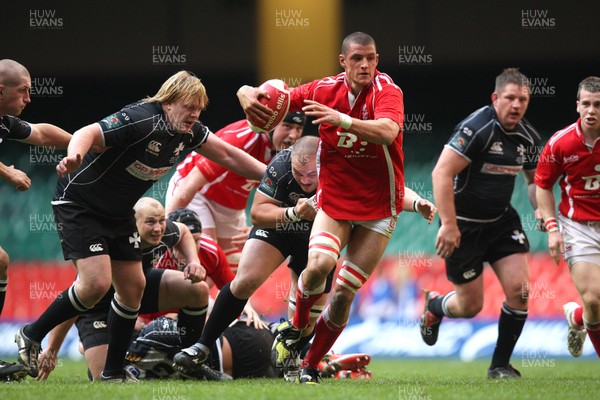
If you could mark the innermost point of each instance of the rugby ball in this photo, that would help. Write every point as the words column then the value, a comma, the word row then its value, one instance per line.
column 279, row 102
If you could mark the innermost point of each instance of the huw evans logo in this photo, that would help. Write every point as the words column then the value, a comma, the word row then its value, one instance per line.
column 168, row 55
column 537, row 19
column 45, row 19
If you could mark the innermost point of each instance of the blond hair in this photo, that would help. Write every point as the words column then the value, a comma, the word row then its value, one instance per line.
column 184, row 86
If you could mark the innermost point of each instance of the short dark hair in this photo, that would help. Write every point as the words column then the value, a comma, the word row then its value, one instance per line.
column 511, row 75
column 359, row 38
column 590, row 84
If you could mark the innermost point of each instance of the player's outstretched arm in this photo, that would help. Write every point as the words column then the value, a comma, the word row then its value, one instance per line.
column 232, row 158
column 48, row 135
column 49, row 357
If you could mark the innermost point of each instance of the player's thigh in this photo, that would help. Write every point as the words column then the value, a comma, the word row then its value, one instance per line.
column 94, row 278
column 259, row 259
column 176, row 292
column 129, row 281
column 513, row 273
column 470, row 296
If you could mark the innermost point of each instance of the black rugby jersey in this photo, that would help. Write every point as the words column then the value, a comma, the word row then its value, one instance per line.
column 483, row 190
column 142, row 149
column 279, row 184
column 170, row 239
column 13, row 128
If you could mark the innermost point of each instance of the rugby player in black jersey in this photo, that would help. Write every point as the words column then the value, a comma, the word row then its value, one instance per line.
column 15, row 83
column 473, row 182
column 94, row 199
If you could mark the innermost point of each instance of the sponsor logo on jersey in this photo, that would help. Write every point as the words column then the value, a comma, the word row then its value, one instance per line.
column 135, row 239
column 146, row 173
column 496, row 148
column 96, row 247
column 100, row 325
column 469, row 274
column 262, row 233
column 153, row 147
column 494, row 169
column 112, row 121
column 570, row 159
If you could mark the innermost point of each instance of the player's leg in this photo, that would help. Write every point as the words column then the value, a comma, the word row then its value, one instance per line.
column 463, row 268
column 190, row 298
column 586, row 277
column 328, row 237
column 513, row 274
column 4, row 260
column 93, row 282
column 259, row 260
column 95, row 358
column 8, row 371
column 129, row 283
column 363, row 253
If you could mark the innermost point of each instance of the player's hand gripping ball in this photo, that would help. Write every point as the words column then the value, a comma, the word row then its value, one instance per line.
column 279, row 102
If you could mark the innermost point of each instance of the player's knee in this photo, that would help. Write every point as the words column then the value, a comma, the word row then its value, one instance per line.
column 4, row 261
column 342, row 297
column 591, row 300
column 91, row 291
column 472, row 309
column 243, row 288
column 323, row 252
column 518, row 294
column 198, row 294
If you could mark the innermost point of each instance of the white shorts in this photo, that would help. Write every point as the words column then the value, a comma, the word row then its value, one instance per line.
column 225, row 220
column 581, row 239
column 383, row 226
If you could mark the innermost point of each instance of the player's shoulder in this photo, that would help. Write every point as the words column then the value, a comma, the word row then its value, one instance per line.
column 383, row 82
column 479, row 121
column 236, row 132
column 565, row 136
column 527, row 129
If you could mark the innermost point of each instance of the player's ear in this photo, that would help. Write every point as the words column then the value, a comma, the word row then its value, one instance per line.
column 342, row 60
column 494, row 97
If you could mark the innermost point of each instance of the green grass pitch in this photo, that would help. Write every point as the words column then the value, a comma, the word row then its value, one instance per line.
column 392, row 379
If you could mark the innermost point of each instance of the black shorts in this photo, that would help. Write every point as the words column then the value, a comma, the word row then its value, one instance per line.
column 251, row 351
column 92, row 325
column 289, row 244
column 482, row 242
column 84, row 233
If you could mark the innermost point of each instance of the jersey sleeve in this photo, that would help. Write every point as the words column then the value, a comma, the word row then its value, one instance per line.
column 389, row 103
column 211, row 170
column 119, row 129
column 270, row 184
column 215, row 263
column 17, row 128
column 549, row 168
column 199, row 135
column 466, row 141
